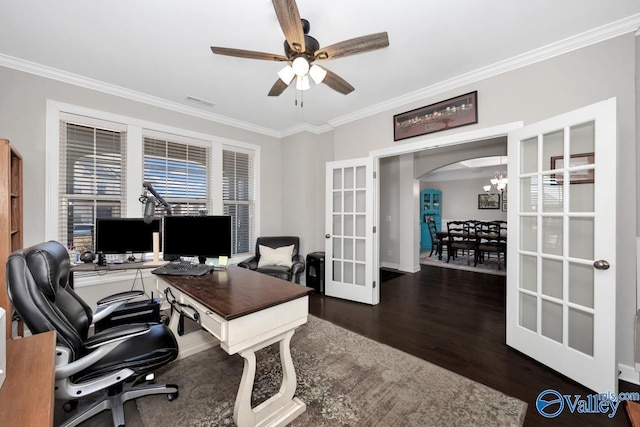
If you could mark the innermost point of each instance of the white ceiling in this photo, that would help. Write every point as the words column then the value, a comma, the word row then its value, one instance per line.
column 159, row 50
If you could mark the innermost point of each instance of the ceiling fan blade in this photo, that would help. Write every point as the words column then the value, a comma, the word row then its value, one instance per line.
column 278, row 87
column 250, row 54
column 337, row 83
column 289, row 18
column 353, row 46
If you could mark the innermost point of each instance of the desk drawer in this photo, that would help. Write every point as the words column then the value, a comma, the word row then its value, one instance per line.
column 210, row 321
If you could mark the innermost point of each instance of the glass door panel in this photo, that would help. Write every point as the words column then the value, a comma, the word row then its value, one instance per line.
column 529, row 275
column 552, row 235
column 528, row 233
column 551, row 317
column 581, row 290
column 552, row 278
column 581, row 234
column 529, row 157
column 529, row 194
column 581, row 331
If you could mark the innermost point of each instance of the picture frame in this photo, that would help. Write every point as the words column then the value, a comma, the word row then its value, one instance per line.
column 577, row 177
column 451, row 113
column 504, row 206
column 488, row 201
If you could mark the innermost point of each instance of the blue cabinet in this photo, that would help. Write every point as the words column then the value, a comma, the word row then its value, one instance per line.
column 430, row 207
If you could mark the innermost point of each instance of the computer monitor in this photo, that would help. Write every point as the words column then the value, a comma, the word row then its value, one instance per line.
column 124, row 235
column 204, row 236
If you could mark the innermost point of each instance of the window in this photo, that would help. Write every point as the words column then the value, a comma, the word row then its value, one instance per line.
column 102, row 160
column 179, row 173
column 92, row 177
column 239, row 197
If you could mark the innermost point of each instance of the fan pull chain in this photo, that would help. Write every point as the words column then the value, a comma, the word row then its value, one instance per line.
column 301, row 98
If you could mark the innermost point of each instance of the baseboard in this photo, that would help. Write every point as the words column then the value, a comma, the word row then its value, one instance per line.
column 400, row 267
column 628, row 374
column 392, row 265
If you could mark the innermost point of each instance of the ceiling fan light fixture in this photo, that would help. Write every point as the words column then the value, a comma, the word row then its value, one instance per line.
column 300, row 66
column 302, row 83
column 286, row 74
column 317, row 73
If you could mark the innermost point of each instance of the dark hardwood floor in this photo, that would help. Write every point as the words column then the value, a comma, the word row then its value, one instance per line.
column 456, row 320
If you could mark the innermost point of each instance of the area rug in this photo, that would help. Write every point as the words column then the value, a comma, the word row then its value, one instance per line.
column 344, row 378
column 489, row 266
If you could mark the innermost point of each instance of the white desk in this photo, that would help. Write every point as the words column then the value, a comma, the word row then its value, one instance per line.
column 248, row 311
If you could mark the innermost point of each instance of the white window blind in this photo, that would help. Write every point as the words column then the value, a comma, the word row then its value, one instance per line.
column 179, row 173
column 238, row 193
column 92, row 180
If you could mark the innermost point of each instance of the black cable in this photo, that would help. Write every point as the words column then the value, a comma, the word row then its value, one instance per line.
column 195, row 316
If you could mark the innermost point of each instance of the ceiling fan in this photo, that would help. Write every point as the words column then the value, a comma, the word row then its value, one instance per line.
column 301, row 51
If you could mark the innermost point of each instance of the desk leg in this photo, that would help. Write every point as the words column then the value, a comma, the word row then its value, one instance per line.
column 278, row 410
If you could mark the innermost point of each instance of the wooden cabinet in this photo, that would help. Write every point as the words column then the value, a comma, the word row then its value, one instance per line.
column 11, row 230
column 431, row 208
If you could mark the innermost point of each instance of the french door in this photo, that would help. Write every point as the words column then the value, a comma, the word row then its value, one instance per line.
column 561, row 277
column 350, row 266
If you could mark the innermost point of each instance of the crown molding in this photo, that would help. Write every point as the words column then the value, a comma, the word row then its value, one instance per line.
column 306, row 127
column 617, row 28
column 85, row 82
column 605, row 32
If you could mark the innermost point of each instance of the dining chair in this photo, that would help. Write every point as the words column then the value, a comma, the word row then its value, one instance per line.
column 490, row 239
column 460, row 238
column 436, row 241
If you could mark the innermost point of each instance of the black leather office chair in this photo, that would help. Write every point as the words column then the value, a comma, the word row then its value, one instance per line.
column 114, row 362
column 289, row 271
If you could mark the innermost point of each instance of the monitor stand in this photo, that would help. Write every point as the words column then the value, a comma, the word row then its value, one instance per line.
column 156, row 252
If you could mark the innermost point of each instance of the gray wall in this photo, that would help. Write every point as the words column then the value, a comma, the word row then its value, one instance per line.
column 22, row 121
column 292, row 172
column 460, row 200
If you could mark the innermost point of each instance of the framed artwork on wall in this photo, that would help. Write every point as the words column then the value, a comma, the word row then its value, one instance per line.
column 452, row 113
column 488, row 201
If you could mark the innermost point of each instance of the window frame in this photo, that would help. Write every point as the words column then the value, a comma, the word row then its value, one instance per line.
column 136, row 130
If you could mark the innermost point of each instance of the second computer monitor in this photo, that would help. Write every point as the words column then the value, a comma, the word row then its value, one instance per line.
column 204, row 236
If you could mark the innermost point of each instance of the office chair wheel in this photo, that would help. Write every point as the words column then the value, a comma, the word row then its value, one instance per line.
column 70, row 405
column 172, row 396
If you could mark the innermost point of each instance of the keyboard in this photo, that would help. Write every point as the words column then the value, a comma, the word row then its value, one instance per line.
column 183, row 269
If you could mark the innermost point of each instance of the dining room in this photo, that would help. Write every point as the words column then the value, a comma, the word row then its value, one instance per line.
column 455, row 178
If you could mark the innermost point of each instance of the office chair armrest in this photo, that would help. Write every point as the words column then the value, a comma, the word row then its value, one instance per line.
column 116, row 333
column 119, row 297
column 103, row 342
column 108, row 305
column 250, row 263
column 297, row 267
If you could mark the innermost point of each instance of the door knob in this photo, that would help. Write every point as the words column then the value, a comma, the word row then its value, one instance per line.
column 601, row 264
column 327, row 236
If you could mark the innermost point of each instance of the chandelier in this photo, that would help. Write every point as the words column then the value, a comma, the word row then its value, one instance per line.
column 499, row 180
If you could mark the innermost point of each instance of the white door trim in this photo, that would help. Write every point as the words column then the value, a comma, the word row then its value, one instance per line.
column 447, row 140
